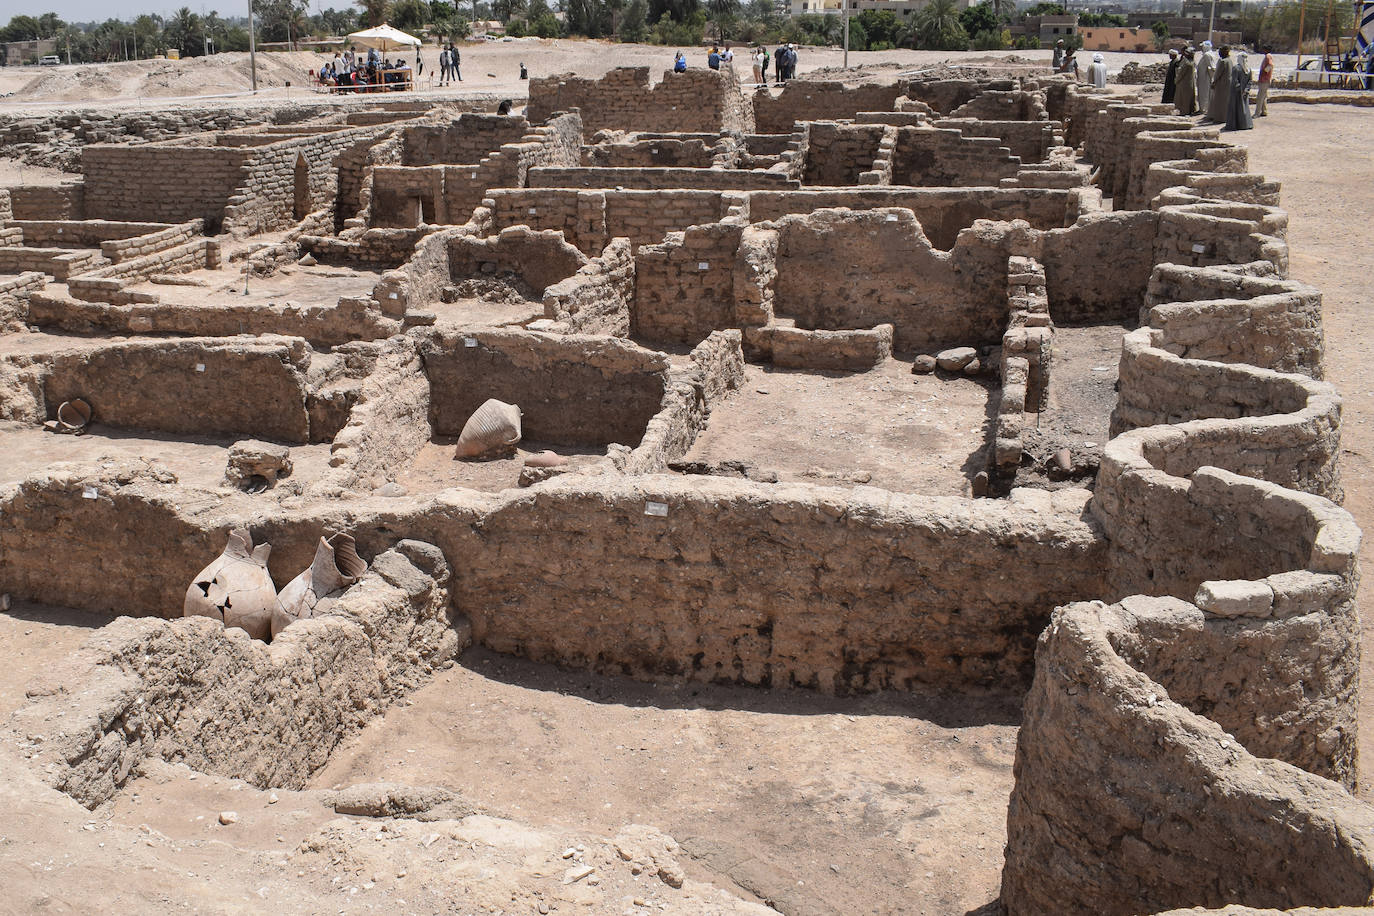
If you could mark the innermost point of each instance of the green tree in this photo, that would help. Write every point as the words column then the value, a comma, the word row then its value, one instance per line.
column 374, row 12
column 1044, row 9
column 410, row 15
column 281, row 20
column 936, row 27
column 1161, row 33
column 634, row 25
column 505, row 10
column 21, row 28
column 978, row 18
column 722, row 14
column 184, row 32
column 680, row 11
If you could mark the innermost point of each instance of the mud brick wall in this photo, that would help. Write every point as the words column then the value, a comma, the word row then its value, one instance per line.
column 1028, row 140
column 836, row 154
column 389, row 422
column 1160, row 144
column 1159, row 806
column 571, row 390
column 1237, row 314
column 539, row 257
column 1099, row 268
column 715, row 368
column 59, row 263
column 942, row 212
column 468, row 139
column 351, row 319
column 839, row 270
column 79, row 233
column 590, row 219
column 929, row 156
column 1003, row 102
column 685, row 287
column 653, row 179
column 772, row 585
column 15, row 295
column 111, row 284
column 807, row 100
column 6, row 207
column 698, row 101
column 192, row 692
column 944, row 96
column 44, row 202
column 156, row 385
column 596, row 299
column 265, row 198
column 130, row 182
column 660, row 152
column 1252, row 421
column 152, row 241
column 1204, row 234
column 353, row 165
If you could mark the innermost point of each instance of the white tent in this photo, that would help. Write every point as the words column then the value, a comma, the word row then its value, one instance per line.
column 384, row 38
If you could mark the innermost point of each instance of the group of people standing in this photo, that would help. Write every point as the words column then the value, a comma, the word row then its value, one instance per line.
column 784, row 62
column 1216, row 83
column 449, row 61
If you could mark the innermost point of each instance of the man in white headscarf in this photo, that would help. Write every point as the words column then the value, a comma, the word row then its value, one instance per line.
column 1206, row 68
column 1097, row 72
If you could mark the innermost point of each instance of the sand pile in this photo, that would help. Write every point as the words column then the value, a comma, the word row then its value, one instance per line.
column 219, row 73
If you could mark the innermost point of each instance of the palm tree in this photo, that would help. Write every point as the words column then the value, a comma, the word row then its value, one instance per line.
column 374, row 11
column 722, row 10
column 937, row 28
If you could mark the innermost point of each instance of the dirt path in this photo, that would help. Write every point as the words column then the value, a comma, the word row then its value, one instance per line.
column 1323, row 157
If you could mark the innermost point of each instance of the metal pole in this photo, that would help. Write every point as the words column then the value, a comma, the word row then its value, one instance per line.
column 844, row 5
column 253, row 68
column 1212, row 20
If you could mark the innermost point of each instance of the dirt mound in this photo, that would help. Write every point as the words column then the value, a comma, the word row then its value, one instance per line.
column 219, row 73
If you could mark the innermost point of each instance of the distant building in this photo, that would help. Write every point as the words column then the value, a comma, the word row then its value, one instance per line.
column 18, row 53
column 1053, row 28
column 1117, row 38
column 1202, row 9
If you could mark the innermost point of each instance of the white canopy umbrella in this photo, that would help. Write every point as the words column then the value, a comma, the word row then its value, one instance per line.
column 384, row 38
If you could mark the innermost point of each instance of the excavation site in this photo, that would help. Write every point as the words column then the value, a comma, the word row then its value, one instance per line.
column 897, row 493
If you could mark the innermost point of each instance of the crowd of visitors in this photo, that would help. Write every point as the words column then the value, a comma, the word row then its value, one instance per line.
column 351, row 71
column 1213, row 83
column 784, row 62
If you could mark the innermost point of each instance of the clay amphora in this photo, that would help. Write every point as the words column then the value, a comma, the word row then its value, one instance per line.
column 236, row 588
column 336, row 566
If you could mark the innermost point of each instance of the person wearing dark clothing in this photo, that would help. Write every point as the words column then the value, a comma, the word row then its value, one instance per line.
column 524, row 74
column 791, row 72
column 1238, row 112
column 713, row 59
column 454, row 59
column 1185, row 90
column 1220, row 98
column 1171, row 79
column 779, row 59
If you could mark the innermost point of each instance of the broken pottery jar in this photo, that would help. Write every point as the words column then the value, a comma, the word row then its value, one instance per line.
column 336, row 566
column 236, row 588
column 492, row 429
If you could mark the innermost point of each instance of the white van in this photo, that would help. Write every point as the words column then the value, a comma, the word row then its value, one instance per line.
column 49, row 60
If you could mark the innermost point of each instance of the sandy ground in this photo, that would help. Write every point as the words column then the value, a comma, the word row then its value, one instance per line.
column 878, row 805
column 1324, row 159
column 885, row 428
column 488, row 68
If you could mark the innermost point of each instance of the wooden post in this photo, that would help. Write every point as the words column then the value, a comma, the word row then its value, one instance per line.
column 1302, row 15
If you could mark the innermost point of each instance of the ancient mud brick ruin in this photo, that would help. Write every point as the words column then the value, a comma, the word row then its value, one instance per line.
column 1099, row 472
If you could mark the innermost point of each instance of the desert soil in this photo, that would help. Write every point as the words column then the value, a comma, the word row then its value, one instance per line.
column 819, row 805
column 489, row 69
